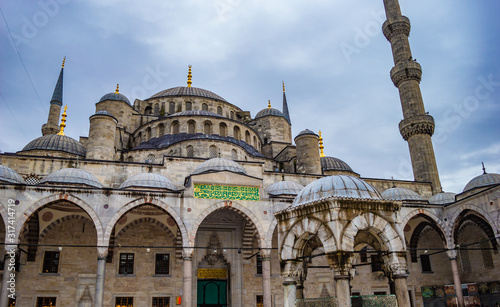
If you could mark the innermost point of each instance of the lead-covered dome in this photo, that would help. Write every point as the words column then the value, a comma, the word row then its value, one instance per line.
column 219, row 165
column 196, row 113
column 401, row 194
column 150, row 181
column 187, row 91
column 334, row 164
column 269, row 112
column 337, row 186
column 442, row 198
column 72, row 176
column 9, row 175
column 284, row 188
column 56, row 142
column 483, row 180
column 115, row 96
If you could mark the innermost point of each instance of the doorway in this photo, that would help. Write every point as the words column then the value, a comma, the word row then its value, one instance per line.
column 212, row 293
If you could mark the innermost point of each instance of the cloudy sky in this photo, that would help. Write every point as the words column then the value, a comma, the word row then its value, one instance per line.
column 331, row 54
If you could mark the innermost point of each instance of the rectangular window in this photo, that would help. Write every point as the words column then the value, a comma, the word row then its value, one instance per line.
column 126, row 265
column 124, row 302
column 161, row 302
column 363, row 255
column 12, row 302
column 259, row 301
column 50, row 262
column 376, row 262
column 162, row 265
column 355, row 293
column 45, row 301
column 259, row 265
column 425, row 262
column 379, row 293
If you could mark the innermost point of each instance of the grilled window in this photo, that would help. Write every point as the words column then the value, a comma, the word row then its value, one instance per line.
column 126, row 265
column 50, row 262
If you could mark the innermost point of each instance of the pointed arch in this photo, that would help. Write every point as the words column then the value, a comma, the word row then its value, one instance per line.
column 428, row 215
column 480, row 212
column 268, row 243
column 51, row 226
column 476, row 217
column 146, row 220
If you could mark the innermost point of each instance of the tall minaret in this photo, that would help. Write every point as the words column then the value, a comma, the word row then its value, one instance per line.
column 417, row 126
column 52, row 125
column 285, row 106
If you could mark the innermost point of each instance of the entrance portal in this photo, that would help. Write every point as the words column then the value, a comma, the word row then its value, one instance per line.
column 212, row 293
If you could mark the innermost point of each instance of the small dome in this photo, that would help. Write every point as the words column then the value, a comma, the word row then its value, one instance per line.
column 57, row 143
column 482, row 181
column 442, row 198
column 197, row 113
column 342, row 186
column 9, row 175
column 284, row 188
column 305, row 132
column 72, row 176
column 115, row 96
column 401, row 194
column 334, row 164
column 219, row 165
column 103, row 112
column 187, row 91
column 269, row 112
column 148, row 180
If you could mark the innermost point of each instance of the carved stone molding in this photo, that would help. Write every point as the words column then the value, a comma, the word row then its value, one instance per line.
column 397, row 27
column 419, row 124
column 405, row 71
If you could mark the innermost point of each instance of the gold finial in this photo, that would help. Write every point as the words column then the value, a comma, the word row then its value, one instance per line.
column 269, row 104
column 283, row 86
column 63, row 121
column 321, row 147
column 189, row 76
column 117, row 89
column 64, row 60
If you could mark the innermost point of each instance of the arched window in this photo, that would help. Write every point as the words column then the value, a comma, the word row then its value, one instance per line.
column 236, row 133
column 255, row 142
column 234, row 154
column 231, row 115
column 247, row 137
column 189, row 106
column 157, row 109
column 161, row 130
column 130, row 159
column 148, row 134
column 207, row 127
column 219, row 110
column 151, row 158
column 190, row 151
column 139, row 138
column 147, row 110
column 171, row 107
column 204, row 107
column 213, row 152
column 222, row 129
column 175, row 127
column 192, row 127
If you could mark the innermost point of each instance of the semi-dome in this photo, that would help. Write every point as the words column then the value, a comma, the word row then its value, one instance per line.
column 56, row 142
column 341, row 186
column 187, row 91
column 400, row 194
column 148, row 180
column 442, row 198
column 72, row 176
column 483, row 180
column 284, row 187
column 115, row 96
column 219, row 165
column 334, row 164
column 9, row 175
column 269, row 112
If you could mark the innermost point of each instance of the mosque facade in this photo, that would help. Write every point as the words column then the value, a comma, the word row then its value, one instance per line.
column 184, row 199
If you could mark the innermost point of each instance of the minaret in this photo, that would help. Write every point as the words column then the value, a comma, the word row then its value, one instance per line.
column 417, row 125
column 52, row 127
column 285, row 106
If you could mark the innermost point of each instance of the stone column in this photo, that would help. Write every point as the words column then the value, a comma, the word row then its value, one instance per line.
column 8, row 281
column 266, row 277
column 102, row 253
column 398, row 273
column 187, row 281
column 340, row 262
column 300, row 289
column 452, row 254
column 289, row 273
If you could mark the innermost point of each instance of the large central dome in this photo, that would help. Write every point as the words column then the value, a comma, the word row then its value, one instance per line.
column 187, row 91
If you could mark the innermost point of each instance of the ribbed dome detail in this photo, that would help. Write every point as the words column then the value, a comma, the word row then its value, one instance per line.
column 9, row 175
column 442, row 198
column 482, row 181
column 58, row 143
column 305, row 132
column 187, row 91
column 148, row 180
column 115, row 96
column 219, row 165
column 269, row 111
column 196, row 113
column 72, row 176
column 341, row 186
column 401, row 194
column 334, row 164
column 284, row 188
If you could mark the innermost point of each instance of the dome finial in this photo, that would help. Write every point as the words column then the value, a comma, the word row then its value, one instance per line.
column 283, row 86
column 117, row 89
column 321, row 147
column 64, row 60
column 484, row 169
column 269, row 104
column 63, row 121
column 189, row 76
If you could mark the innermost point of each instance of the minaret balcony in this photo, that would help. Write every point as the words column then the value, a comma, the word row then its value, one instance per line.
column 418, row 124
column 396, row 27
column 405, row 71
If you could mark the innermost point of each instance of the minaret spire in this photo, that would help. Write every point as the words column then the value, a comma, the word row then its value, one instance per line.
column 52, row 125
column 417, row 127
column 285, row 106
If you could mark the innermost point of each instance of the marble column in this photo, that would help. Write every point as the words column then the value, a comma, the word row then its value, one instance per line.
column 8, row 280
column 102, row 253
column 341, row 263
column 452, row 254
column 401, row 290
column 290, row 272
column 398, row 272
column 266, row 278
column 343, row 290
column 187, row 281
column 300, row 289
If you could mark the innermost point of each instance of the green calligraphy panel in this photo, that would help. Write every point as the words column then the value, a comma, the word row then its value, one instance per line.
column 209, row 191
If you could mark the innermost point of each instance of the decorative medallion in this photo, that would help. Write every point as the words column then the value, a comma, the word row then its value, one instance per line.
column 47, row 216
column 122, row 220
